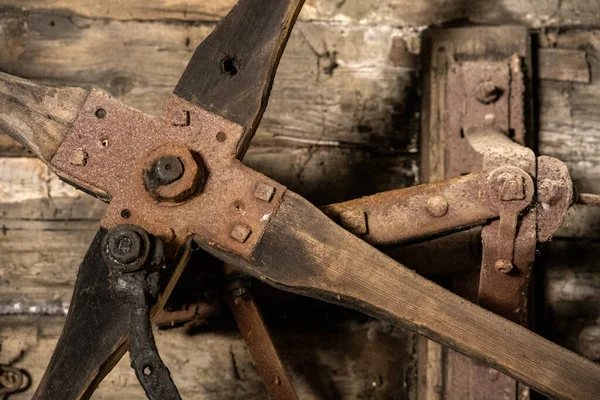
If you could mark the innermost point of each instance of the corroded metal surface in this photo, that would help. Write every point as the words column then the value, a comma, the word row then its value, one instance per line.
column 508, row 244
column 481, row 94
column 555, row 196
column 120, row 145
column 417, row 212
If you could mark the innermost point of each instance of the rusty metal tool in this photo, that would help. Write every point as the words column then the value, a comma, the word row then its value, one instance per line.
column 180, row 178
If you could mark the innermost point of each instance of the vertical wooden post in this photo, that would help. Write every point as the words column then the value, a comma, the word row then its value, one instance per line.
column 444, row 374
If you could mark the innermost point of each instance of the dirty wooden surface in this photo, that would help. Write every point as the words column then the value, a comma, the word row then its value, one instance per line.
column 342, row 122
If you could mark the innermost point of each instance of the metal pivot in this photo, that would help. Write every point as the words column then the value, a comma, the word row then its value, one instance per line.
column 134, row 257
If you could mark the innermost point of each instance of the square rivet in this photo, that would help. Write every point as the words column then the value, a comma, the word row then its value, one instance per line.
column 264, row 192
column 240, row 233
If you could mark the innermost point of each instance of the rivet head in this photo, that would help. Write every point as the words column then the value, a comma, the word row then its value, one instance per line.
column 504, row 266
column 354, row 221
column 79, row 157
column 264, row 192
column 240, row 233
column 437, row 206
column 487, row 92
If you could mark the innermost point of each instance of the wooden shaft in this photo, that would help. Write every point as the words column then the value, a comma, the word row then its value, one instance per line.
column 304, row 252
column 38, row 116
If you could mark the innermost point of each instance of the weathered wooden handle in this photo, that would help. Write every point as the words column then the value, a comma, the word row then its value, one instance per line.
column 304, row 252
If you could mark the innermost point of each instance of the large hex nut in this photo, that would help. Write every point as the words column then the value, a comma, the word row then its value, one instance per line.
column 191, row 181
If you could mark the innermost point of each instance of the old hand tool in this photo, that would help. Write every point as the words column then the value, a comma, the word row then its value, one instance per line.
column 179, row 178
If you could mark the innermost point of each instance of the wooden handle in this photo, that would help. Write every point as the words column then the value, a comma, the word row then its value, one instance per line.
column 38, row 116
column 304, row 252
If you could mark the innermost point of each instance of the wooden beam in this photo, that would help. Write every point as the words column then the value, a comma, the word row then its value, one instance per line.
column 304, row 252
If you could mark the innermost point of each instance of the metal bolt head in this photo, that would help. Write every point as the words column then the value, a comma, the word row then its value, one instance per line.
column 264, row 192
column 504, row 266
column 437, row 206
column 511, row 187
column 168, row 169
column 240, row 233
column 487, row 92
column 172, row 174
column 354, row 221
column 125, row 246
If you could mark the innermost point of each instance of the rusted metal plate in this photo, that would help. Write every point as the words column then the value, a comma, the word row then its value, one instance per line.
column 118, row 141
column 481, row 94
column 417, row 212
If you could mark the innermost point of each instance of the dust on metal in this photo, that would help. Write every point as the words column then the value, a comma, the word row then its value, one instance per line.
column 213, row 179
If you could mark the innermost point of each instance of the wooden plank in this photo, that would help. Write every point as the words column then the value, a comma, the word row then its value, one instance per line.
column 208, row 365
column 305, row 253
column 338, row 90
column 395, row 12
column 570, row 113
column 572, row 292
column 563, row 65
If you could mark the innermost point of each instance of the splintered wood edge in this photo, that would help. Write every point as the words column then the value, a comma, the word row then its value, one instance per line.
column 38, row 116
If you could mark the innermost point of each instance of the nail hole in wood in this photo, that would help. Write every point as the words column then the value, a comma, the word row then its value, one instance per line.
column 229, row 66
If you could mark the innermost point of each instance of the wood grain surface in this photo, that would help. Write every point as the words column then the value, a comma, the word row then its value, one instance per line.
column 342, row 122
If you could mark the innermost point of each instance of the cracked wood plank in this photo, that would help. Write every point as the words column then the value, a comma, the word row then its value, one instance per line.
column 335, row 84
column 395, row 12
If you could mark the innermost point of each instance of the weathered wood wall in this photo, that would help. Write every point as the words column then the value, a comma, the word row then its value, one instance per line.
column 342, row 122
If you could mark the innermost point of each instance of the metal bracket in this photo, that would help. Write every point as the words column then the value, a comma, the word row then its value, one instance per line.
column 120, row 143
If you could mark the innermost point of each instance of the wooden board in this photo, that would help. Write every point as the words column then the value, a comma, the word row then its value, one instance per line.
column 394, row 12
column 213, row 362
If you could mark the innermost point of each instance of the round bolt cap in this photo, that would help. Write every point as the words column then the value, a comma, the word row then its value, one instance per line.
column 437, row 206
column 504, row 266
column 168, row 169
column 487, row 92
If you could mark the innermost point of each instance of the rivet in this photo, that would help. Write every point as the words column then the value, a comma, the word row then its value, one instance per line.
column 354, row 221
column 504, row 266
column 264, row 192
column 487, row 92
column 79, row 157
column 240, row 233
column 181, row 119
column 437, row 206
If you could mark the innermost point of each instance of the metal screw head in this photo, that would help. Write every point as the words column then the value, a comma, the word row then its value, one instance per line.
column 437, row 206
column 487, row 92
column 504, row 266
column 168, row 169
